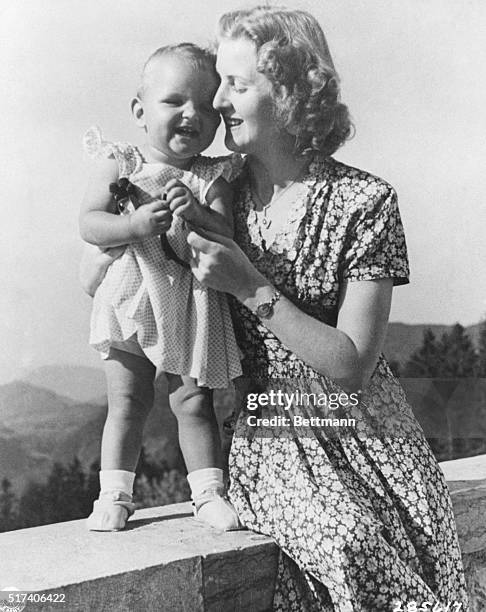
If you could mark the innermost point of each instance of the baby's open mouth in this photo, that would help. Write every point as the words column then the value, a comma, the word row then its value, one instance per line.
column 186, row 130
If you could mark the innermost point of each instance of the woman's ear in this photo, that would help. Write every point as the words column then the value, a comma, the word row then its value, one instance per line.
column 138, row 112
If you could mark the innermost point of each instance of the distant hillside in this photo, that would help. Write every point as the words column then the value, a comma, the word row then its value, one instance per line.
column 80, row 383
column 58, row 412
column 28, row 409
column 85, row 384
column 402, row 340
column 40, row 427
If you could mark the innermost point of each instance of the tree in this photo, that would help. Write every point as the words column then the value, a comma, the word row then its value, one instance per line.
column 459, row 358
column 69, row 492
column 169, row 488
column 425, row 362
column 92, row 487
column 453, row 356
column 395, row 368
column 73, row 491
column 32, row 506
column 482, row 350
column 62, row 498
column 446, row 363
column 65, row 492
column 156, row 484
column 8, row 503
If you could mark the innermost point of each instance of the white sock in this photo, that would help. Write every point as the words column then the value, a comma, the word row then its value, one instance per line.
column 201, row 480
column 116, row 480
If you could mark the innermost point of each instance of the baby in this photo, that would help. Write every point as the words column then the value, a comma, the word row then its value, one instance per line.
column 149, row 312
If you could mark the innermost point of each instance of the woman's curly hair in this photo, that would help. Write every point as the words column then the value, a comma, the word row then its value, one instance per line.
column 293, row 54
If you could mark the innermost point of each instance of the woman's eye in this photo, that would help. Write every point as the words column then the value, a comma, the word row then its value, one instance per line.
column 237, row 86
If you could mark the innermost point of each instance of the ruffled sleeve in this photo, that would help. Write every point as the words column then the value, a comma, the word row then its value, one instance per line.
column 208, row 169
column 128, row 157
column 376, row 245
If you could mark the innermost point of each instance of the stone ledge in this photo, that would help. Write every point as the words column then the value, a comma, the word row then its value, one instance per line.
column 164, row 560
column 465, row 470
column 167, row 561
column 467, row 482
column 470, row 511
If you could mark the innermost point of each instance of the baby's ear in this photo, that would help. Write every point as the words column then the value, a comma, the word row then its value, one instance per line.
column 138, row 112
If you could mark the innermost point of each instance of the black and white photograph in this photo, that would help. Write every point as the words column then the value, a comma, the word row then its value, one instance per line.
column 243, row 308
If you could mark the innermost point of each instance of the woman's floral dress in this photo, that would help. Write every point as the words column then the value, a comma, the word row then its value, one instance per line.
column 362, row 514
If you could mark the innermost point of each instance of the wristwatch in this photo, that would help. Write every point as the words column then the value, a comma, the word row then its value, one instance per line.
column 265, row 309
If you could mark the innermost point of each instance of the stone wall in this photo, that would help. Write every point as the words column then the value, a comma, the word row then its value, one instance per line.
column 167, row 561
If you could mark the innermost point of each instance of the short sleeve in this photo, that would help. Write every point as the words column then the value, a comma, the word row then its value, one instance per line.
column 376, row 246
column 208, row 169
column 128, row 157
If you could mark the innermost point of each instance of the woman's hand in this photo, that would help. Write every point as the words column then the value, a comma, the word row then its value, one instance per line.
column 94, row 264
column 347, row 353
column 219, row 263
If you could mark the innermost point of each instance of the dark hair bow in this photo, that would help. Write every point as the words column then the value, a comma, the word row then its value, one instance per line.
column 122, row 191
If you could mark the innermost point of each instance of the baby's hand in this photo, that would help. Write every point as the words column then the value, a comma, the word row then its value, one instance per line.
column 150, row 220
column 182, row 202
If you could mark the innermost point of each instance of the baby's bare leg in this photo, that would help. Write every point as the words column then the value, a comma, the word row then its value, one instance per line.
column 130, row 381
column 198, row 429
column 201, row 447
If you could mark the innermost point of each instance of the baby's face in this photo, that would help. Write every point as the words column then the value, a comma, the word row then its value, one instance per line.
column 177, row 108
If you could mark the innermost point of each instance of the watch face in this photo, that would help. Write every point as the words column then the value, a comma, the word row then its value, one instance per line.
column 264, row 310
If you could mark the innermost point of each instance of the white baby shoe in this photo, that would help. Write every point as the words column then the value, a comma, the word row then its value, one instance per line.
column 110, row 511
column 212, row 507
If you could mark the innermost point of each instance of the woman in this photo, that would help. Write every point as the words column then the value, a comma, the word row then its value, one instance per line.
column 362, row 515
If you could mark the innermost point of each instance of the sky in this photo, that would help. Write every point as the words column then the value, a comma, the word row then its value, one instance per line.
column 412, row 74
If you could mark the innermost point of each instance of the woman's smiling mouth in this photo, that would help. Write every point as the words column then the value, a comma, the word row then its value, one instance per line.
column 232, row 122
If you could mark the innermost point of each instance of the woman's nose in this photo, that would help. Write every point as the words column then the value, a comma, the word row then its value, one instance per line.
column 220, row 101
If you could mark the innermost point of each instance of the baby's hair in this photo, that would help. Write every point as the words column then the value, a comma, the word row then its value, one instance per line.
column 292, row 52
column 197, row 57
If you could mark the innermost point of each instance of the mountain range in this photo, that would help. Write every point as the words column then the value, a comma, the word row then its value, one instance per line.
column 40, row 426
column 57, row 412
